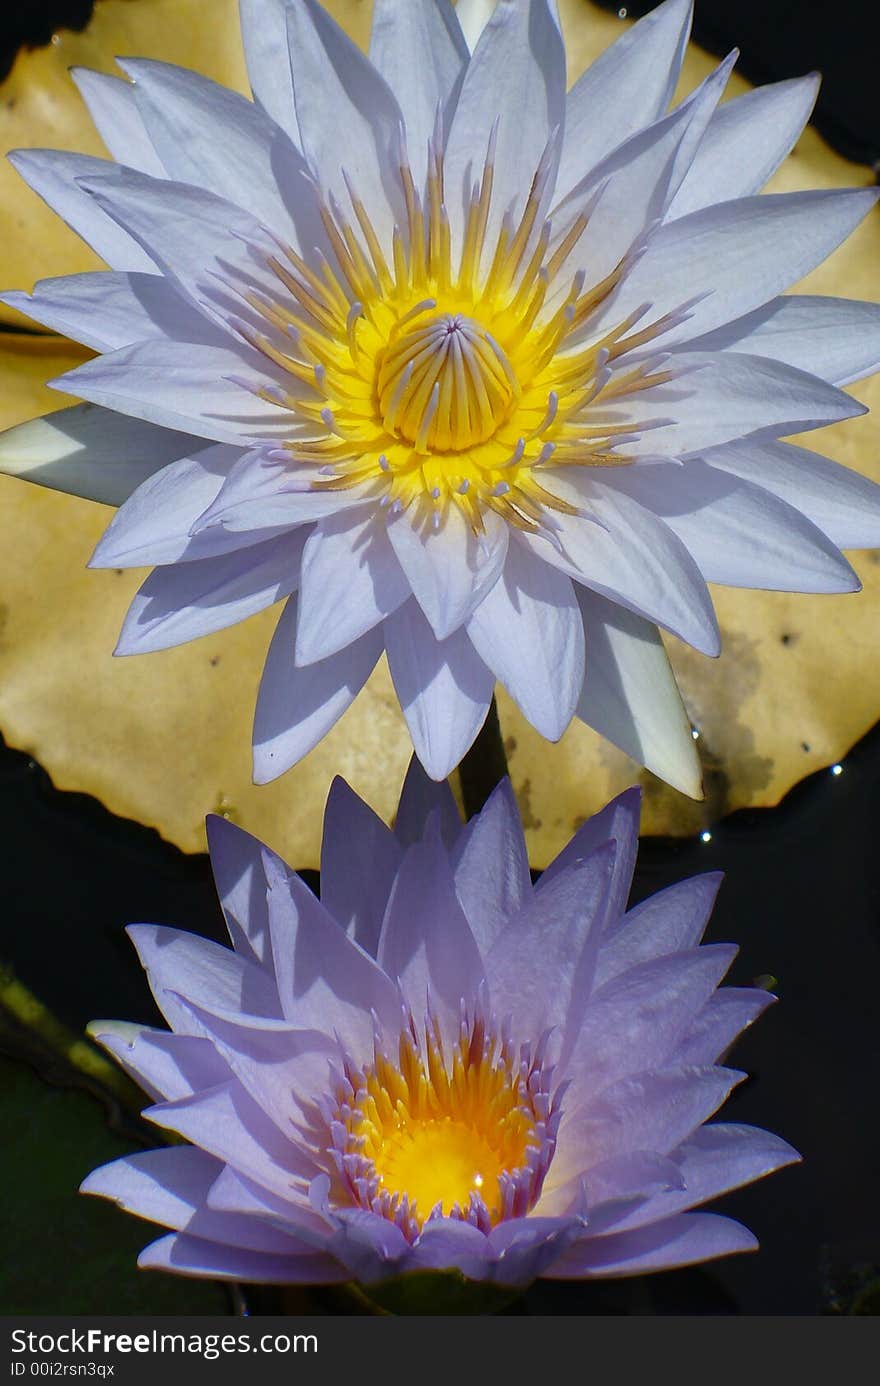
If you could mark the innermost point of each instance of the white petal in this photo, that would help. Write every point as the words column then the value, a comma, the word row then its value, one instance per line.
column 213, row 138
column 631, row 557
column 91, row 452
column 443, row 686
column 837, row 339
column 721, row 396
column 54, row 175
column 188, row 600
column 630, row 695
column 117, row 119
column 738, row 533
column 636, row 183
column 528, row 630
column 517, row 78
column 738, row 254
column 419, row 49
column 840, row 502
column 351, row 580
column 192, row 235
column 107, row 309
column 297, row 706
column 264, row 38
column 153, row 526
column 628, row 87
column 348, row 118
column 449, row 570
column 746, row 141
column 184, row 386
column 473, row 16
column 261, row 492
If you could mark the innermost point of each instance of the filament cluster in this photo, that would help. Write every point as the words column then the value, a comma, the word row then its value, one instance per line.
column 464, row 1130
column 447, row 378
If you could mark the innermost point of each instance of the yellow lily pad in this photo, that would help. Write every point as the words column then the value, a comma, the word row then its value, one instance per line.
column 165, row 738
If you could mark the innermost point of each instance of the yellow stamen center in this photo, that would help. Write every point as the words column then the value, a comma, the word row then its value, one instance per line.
column 447, row 376
column 444, row 385
column 439, row 1162
column 420, row 1133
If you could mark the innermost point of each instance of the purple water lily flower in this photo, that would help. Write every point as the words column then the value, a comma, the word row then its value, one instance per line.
column 461, row 365
column 438, row 1065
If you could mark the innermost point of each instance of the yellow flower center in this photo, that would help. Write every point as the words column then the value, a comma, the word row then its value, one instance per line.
column 444, row 385
column 468, row 1136
column 447, row 378
column 439, row 1163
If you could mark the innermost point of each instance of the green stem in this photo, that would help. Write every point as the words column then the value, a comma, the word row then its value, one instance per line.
column 484, row 765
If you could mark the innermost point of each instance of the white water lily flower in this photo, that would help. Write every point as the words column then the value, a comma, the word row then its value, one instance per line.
column 464, row 367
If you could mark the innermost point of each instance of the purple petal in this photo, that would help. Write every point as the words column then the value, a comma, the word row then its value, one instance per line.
column 171, row 1187
column 540, row 968
column 232, row 1193
column 369, row 1246
column 618, row 822
column 680, row 1241
column 714, row 1160
column 450, row 1244
column 668, row 922
column 237, row 864
column 426, row 941
column 636, row 1021
column 229, row 1124
column 419, row 799
column 656, row 1111
column 718, row 1024
column 165, row 1186
column 200, row 971
column 491, row 865
column 167, row 1066
column 192, row 1256
column 612, row 1187
column 525, row 1247
column 325, row 981
column 285, row 1070
column 359, row 860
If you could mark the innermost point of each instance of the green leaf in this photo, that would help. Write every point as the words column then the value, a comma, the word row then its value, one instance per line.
column 66, row 1254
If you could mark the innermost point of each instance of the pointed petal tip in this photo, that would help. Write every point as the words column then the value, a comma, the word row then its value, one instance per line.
column 631, row 798
column 266, row 767
column 93, row 1184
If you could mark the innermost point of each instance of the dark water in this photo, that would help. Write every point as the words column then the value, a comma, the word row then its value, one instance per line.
column 787, row 38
